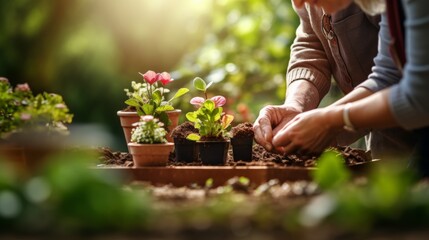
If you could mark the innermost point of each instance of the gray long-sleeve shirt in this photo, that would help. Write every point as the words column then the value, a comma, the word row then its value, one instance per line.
column 409, row 97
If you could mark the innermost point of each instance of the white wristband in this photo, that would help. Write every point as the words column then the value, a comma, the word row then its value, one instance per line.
column 346, row 118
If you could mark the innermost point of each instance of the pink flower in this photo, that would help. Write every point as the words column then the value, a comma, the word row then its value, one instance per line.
column 164, row 78
column 22, row 87
column 150, row 77
column 147, row 118
column 219, row 101
column 197, row 101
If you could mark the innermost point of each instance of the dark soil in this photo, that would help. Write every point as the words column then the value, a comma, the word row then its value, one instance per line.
column 261, row 157
column 183, row 130
column 243, row 130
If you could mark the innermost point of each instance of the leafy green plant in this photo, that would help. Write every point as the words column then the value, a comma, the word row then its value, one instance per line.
column 209, row 118
column 20, row 110
column 11, row 102
column 331, row 170
column 388, row 197
column 148, row 97
column 148, row 130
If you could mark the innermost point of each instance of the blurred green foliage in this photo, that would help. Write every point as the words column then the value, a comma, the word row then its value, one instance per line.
column 246, row 50
column 89, row 51
column 67, row 198
column 21, row 111
column 332, row 170
column 390, row 197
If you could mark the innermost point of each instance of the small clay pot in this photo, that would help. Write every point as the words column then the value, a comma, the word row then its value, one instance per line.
column 173, row 115
column 242, row 149
column 185, row 150
column 145, row 155
column 213, row 152
column 127, row 118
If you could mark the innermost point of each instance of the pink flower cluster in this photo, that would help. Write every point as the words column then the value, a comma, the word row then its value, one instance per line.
column 152, row 77
column 22, row 87
column 218, row 100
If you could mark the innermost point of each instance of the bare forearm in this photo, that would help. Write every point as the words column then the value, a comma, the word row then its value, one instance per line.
column 356, row 94
column 370, row 112
column 373, row 112
column 302, row 95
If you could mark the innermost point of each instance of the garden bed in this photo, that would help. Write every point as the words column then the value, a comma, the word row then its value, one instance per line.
column 263, row 167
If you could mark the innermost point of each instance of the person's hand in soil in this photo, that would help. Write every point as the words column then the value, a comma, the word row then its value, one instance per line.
column 271, row 119
column 309, row 133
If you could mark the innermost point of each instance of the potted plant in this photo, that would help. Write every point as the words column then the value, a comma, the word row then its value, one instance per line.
column 149, row 98
column 31, row 126
column 242, row 141
column 185, row 150
column 148, row 145
column 212, row 124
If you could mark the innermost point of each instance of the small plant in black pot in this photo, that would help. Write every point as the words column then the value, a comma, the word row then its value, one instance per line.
column 242, row 141
column 212, row 124
column 184, row 149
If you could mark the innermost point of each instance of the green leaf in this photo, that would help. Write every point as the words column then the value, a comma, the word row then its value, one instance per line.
column 209, row 105
column 204, row 130
column 157, row 97
column 132, row 103
column 180, row 93
column 193, row 137
column 148, row 109
column 331, row 170
column 191, row 116
column 217, row 113
column 164, row 108
column 199, row 84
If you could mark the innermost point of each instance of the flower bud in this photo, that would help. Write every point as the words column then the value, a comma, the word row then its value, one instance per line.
column 150, row 77
column 164, row 78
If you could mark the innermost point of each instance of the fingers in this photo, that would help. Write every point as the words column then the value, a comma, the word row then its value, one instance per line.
column 289, row 142
column 295, row 142
column 263, row 133
column 282, row 139
column 271, row 119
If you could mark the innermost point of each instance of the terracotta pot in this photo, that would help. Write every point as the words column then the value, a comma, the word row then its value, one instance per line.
column 242, row 149
column 174, row 118
column 213, row 152
column 28, row 152
column 150, row 154
column 127, row 118
column 14, row 156
column 185, row 150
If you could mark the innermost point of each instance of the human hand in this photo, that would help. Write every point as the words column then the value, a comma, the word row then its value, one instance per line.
column 308, row 133
column 271, row 119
